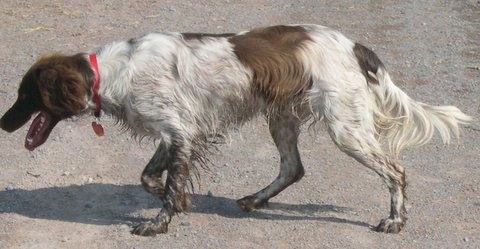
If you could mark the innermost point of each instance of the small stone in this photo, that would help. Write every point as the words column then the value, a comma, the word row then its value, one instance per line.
column 466, row 239
column 209, row 193
column 33, row 174
column 10, row 187
column 66, row 173
column 185, row 223
column 88, row 205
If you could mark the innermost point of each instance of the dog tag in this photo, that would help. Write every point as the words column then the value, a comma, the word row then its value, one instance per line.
column 97, row 128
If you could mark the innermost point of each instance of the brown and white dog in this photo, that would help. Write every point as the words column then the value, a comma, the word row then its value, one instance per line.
column 183, row 88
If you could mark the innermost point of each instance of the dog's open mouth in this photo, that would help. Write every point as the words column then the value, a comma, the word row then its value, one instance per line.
column 39, row 130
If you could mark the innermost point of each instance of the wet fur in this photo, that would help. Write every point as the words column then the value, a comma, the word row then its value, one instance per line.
column 185, row 89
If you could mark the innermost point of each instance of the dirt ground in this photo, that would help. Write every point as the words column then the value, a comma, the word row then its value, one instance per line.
column 81, row 191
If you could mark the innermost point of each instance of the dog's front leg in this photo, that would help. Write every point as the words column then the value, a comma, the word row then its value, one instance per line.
column 175, row 200
column 151, row 178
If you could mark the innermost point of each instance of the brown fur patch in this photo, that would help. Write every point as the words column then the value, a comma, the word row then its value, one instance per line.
column 63, row 81
column 278, row 74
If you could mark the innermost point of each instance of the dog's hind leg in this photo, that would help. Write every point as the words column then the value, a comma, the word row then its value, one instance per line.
column 284, row 128
column 359, row 142
column 175, row 200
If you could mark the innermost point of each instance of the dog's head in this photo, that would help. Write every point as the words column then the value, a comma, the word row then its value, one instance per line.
column 55, row 88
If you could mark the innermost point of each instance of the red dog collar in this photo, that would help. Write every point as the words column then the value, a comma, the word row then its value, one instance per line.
column 97, row 127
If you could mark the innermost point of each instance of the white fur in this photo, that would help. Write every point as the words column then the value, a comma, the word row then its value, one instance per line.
column 194, row 97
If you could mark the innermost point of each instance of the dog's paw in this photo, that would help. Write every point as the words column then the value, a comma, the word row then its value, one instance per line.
column 390, row 225
column 150, row 228
column 249, row 203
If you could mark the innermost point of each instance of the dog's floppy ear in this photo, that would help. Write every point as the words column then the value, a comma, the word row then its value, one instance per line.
column 62, row 86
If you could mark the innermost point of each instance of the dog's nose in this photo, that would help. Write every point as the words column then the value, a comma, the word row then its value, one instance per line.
column 10, row 121
column 2, row 126
column 1, row 123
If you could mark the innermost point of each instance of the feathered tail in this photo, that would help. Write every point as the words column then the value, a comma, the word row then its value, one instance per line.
column 406, row 123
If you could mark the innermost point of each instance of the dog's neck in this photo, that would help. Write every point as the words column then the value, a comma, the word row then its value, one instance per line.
column 114, row 84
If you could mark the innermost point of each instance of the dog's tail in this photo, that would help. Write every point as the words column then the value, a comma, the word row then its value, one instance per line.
column 402, row 121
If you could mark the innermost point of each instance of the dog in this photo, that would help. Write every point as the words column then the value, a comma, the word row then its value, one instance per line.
column 182, row 89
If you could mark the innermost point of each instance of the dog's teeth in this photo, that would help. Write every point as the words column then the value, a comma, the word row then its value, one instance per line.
column 42, row 122
column 29, row 140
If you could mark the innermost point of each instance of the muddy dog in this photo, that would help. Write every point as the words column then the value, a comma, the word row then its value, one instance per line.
column 183, row 88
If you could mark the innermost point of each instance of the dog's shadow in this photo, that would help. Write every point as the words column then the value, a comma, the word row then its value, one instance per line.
column 107, row 204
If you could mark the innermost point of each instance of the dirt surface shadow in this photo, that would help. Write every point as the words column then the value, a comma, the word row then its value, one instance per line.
column 108, row 204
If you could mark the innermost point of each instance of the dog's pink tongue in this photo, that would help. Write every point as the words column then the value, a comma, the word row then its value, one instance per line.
column 37, row 133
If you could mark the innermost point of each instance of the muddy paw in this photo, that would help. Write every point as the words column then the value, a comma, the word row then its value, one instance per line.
column 150, row 228
column 390, row 226
column 249, row 203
